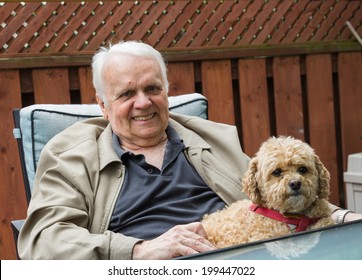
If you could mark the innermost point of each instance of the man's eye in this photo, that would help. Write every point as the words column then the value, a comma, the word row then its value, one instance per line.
column 153, row 89
column 277, row 172
column 302, row 170
column 125, row 94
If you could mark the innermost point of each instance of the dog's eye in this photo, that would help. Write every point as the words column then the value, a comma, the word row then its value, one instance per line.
column 302, row 169
column 277, row 172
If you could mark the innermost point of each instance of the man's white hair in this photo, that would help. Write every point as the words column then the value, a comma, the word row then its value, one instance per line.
column 135, row 48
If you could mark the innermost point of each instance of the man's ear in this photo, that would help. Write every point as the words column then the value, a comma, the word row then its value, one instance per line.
column 103, row 107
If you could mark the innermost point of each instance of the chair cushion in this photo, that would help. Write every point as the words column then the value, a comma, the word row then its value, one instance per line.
column 40, row 122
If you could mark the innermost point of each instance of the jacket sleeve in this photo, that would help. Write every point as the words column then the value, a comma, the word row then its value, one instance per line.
column 61, row 210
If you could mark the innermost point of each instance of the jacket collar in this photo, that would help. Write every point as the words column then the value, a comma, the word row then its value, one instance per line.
column 185, row 127
column 107, row 153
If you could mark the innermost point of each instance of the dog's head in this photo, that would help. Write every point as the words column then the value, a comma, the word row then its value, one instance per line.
column 286, row 175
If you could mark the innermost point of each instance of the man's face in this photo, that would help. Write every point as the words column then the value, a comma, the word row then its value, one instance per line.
column 137, row 102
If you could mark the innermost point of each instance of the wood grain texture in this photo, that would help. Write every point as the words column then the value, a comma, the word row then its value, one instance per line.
column 217, row 87
column 13, row 204
column 288, row 97
column 321, row 116
column 254, row 103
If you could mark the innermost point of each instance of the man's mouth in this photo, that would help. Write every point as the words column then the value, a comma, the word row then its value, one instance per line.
column 144, row 118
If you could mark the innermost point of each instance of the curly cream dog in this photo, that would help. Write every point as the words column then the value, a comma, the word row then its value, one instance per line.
column 288, row 188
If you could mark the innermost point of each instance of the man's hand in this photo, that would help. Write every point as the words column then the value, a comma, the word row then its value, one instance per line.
column 182, row 240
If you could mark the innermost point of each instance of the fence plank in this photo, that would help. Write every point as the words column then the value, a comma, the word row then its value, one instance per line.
column 321, row 112
column 51, row 86
column 12, row 194
column 350, row 89
column 217, row 87
column 254, row 103
column 87, row 91
column 288, row 97
column 181, row 78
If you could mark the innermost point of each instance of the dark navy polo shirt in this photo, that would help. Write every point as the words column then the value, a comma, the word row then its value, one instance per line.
column 152, row 201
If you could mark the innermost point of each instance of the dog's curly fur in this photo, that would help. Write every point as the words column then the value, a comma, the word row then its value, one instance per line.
column 281, row 163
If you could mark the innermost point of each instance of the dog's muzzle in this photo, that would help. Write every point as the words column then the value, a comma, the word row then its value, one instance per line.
column 295, row 186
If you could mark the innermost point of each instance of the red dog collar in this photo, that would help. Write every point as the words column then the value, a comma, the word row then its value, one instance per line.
column 300, row 221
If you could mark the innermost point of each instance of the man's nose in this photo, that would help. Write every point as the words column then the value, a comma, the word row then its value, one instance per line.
column 142, row 100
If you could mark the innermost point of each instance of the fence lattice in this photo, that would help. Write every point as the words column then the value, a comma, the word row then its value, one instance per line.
column 52, row 27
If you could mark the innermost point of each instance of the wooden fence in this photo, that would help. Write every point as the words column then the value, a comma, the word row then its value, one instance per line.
column 315, row 97
column 264, row 82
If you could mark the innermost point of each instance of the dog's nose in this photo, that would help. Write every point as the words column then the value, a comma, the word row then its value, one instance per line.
column 295, row 185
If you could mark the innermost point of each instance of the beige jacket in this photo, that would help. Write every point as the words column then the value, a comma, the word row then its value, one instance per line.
column 79, row 177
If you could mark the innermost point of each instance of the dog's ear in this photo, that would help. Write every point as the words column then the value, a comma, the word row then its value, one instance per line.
column 250, row 185
column 324, row 179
